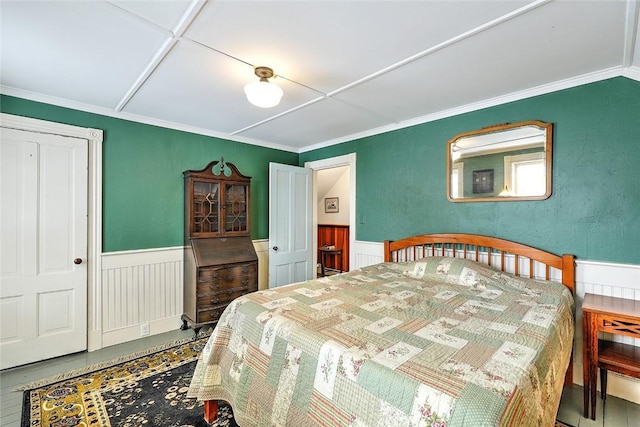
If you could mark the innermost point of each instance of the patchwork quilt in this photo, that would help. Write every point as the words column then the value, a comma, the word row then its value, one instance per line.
column 434, row 342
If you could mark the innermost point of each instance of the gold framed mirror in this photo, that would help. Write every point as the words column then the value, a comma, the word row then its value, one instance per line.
column 504, row 162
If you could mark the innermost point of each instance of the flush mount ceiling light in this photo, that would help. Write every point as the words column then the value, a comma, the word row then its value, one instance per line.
column 262, row 93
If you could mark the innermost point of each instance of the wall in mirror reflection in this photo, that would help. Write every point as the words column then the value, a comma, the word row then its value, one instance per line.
column 501, row 162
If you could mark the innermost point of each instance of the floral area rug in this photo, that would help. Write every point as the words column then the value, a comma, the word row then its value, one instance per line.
column 143, row 391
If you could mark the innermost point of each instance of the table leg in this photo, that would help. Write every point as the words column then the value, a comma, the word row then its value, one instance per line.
column 586, row 380
column 593, row 363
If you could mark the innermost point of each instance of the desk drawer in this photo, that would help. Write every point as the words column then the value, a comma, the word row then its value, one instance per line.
column 227, row 274
column 225, row 296
column 210, row 314
column 248, row 282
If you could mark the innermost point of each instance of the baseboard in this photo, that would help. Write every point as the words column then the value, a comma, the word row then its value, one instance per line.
column 133, row 332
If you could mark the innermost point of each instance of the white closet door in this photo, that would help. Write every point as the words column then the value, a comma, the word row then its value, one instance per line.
column 43, row 254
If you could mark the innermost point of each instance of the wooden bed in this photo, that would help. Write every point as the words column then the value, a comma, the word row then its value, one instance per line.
column 507, row 256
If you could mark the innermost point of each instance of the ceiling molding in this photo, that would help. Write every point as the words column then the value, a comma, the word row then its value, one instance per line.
column 73, row 105
column 187, row 19
column 284, row 113
column 151, row 62
column 629, row 72
column 492, row 102
column 460, row 37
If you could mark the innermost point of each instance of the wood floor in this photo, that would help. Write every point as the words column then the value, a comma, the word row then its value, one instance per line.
column 616, row 413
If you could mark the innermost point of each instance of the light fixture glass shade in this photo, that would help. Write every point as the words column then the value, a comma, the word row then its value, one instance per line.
column 263, row 94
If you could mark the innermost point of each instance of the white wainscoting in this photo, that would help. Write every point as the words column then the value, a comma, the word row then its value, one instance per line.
column 367, row 253
column 601, row 278
column 144, row 287
column 140, row 287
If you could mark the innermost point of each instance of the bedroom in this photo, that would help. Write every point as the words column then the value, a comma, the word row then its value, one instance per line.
column 592, row 212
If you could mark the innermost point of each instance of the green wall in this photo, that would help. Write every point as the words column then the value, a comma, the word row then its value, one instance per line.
column 142, row 174
column 593, row 212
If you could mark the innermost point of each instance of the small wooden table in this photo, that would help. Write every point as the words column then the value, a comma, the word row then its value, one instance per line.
column 324, row 252
column 616, row 316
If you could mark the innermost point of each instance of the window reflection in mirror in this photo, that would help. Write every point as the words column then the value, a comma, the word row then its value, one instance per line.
column 500, row 163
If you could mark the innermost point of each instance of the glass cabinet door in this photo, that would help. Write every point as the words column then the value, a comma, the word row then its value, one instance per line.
column 206, row 207
column 235, row 208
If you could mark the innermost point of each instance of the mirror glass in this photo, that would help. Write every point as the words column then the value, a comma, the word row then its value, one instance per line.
column 500, row 163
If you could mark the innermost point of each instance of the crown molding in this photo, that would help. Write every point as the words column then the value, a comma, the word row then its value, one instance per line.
column 88, row 108
column 628, row 72
column 491, row 102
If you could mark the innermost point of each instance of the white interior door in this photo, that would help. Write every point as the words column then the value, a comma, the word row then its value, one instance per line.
column 43, row 268
column 290, row 230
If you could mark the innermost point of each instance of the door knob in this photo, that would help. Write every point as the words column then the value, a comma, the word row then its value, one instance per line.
column 275, row 248
column 77, row 261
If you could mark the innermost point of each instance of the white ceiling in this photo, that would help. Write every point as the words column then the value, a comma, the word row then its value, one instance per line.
column 327, row 179
column 348, row 68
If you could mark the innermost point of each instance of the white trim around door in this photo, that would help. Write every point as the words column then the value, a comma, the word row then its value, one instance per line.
column 94, row 232
column 334, row 162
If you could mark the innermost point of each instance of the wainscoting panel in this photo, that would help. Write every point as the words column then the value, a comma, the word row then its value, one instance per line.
column 138, row 288
column 262, row 250
column 338, row 236
column 368, row 253
column 144, row 288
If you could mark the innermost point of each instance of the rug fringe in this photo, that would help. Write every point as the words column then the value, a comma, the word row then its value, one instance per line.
column 107, row 363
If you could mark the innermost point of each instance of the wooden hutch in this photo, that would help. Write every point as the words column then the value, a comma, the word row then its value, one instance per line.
column 220, row 262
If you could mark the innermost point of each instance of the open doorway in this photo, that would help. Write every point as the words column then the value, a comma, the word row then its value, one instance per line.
column 334, row 225
column 333, row 207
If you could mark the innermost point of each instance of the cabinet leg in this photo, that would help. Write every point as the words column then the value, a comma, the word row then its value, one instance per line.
column 184, row 326
column 603, row 384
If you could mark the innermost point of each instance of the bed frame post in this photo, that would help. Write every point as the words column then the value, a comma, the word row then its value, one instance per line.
column 210, row 411
column 569, row 280
column 569, row 271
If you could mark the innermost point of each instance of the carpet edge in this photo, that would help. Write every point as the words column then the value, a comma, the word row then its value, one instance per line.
column 105, row 364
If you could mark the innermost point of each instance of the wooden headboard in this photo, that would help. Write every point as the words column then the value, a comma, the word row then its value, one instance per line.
column 511, row 257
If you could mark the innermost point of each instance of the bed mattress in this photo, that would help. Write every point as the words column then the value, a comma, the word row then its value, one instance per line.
column 434, row 342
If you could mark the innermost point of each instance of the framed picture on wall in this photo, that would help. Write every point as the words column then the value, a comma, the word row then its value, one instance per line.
column 331, row 205
column 483, row 181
